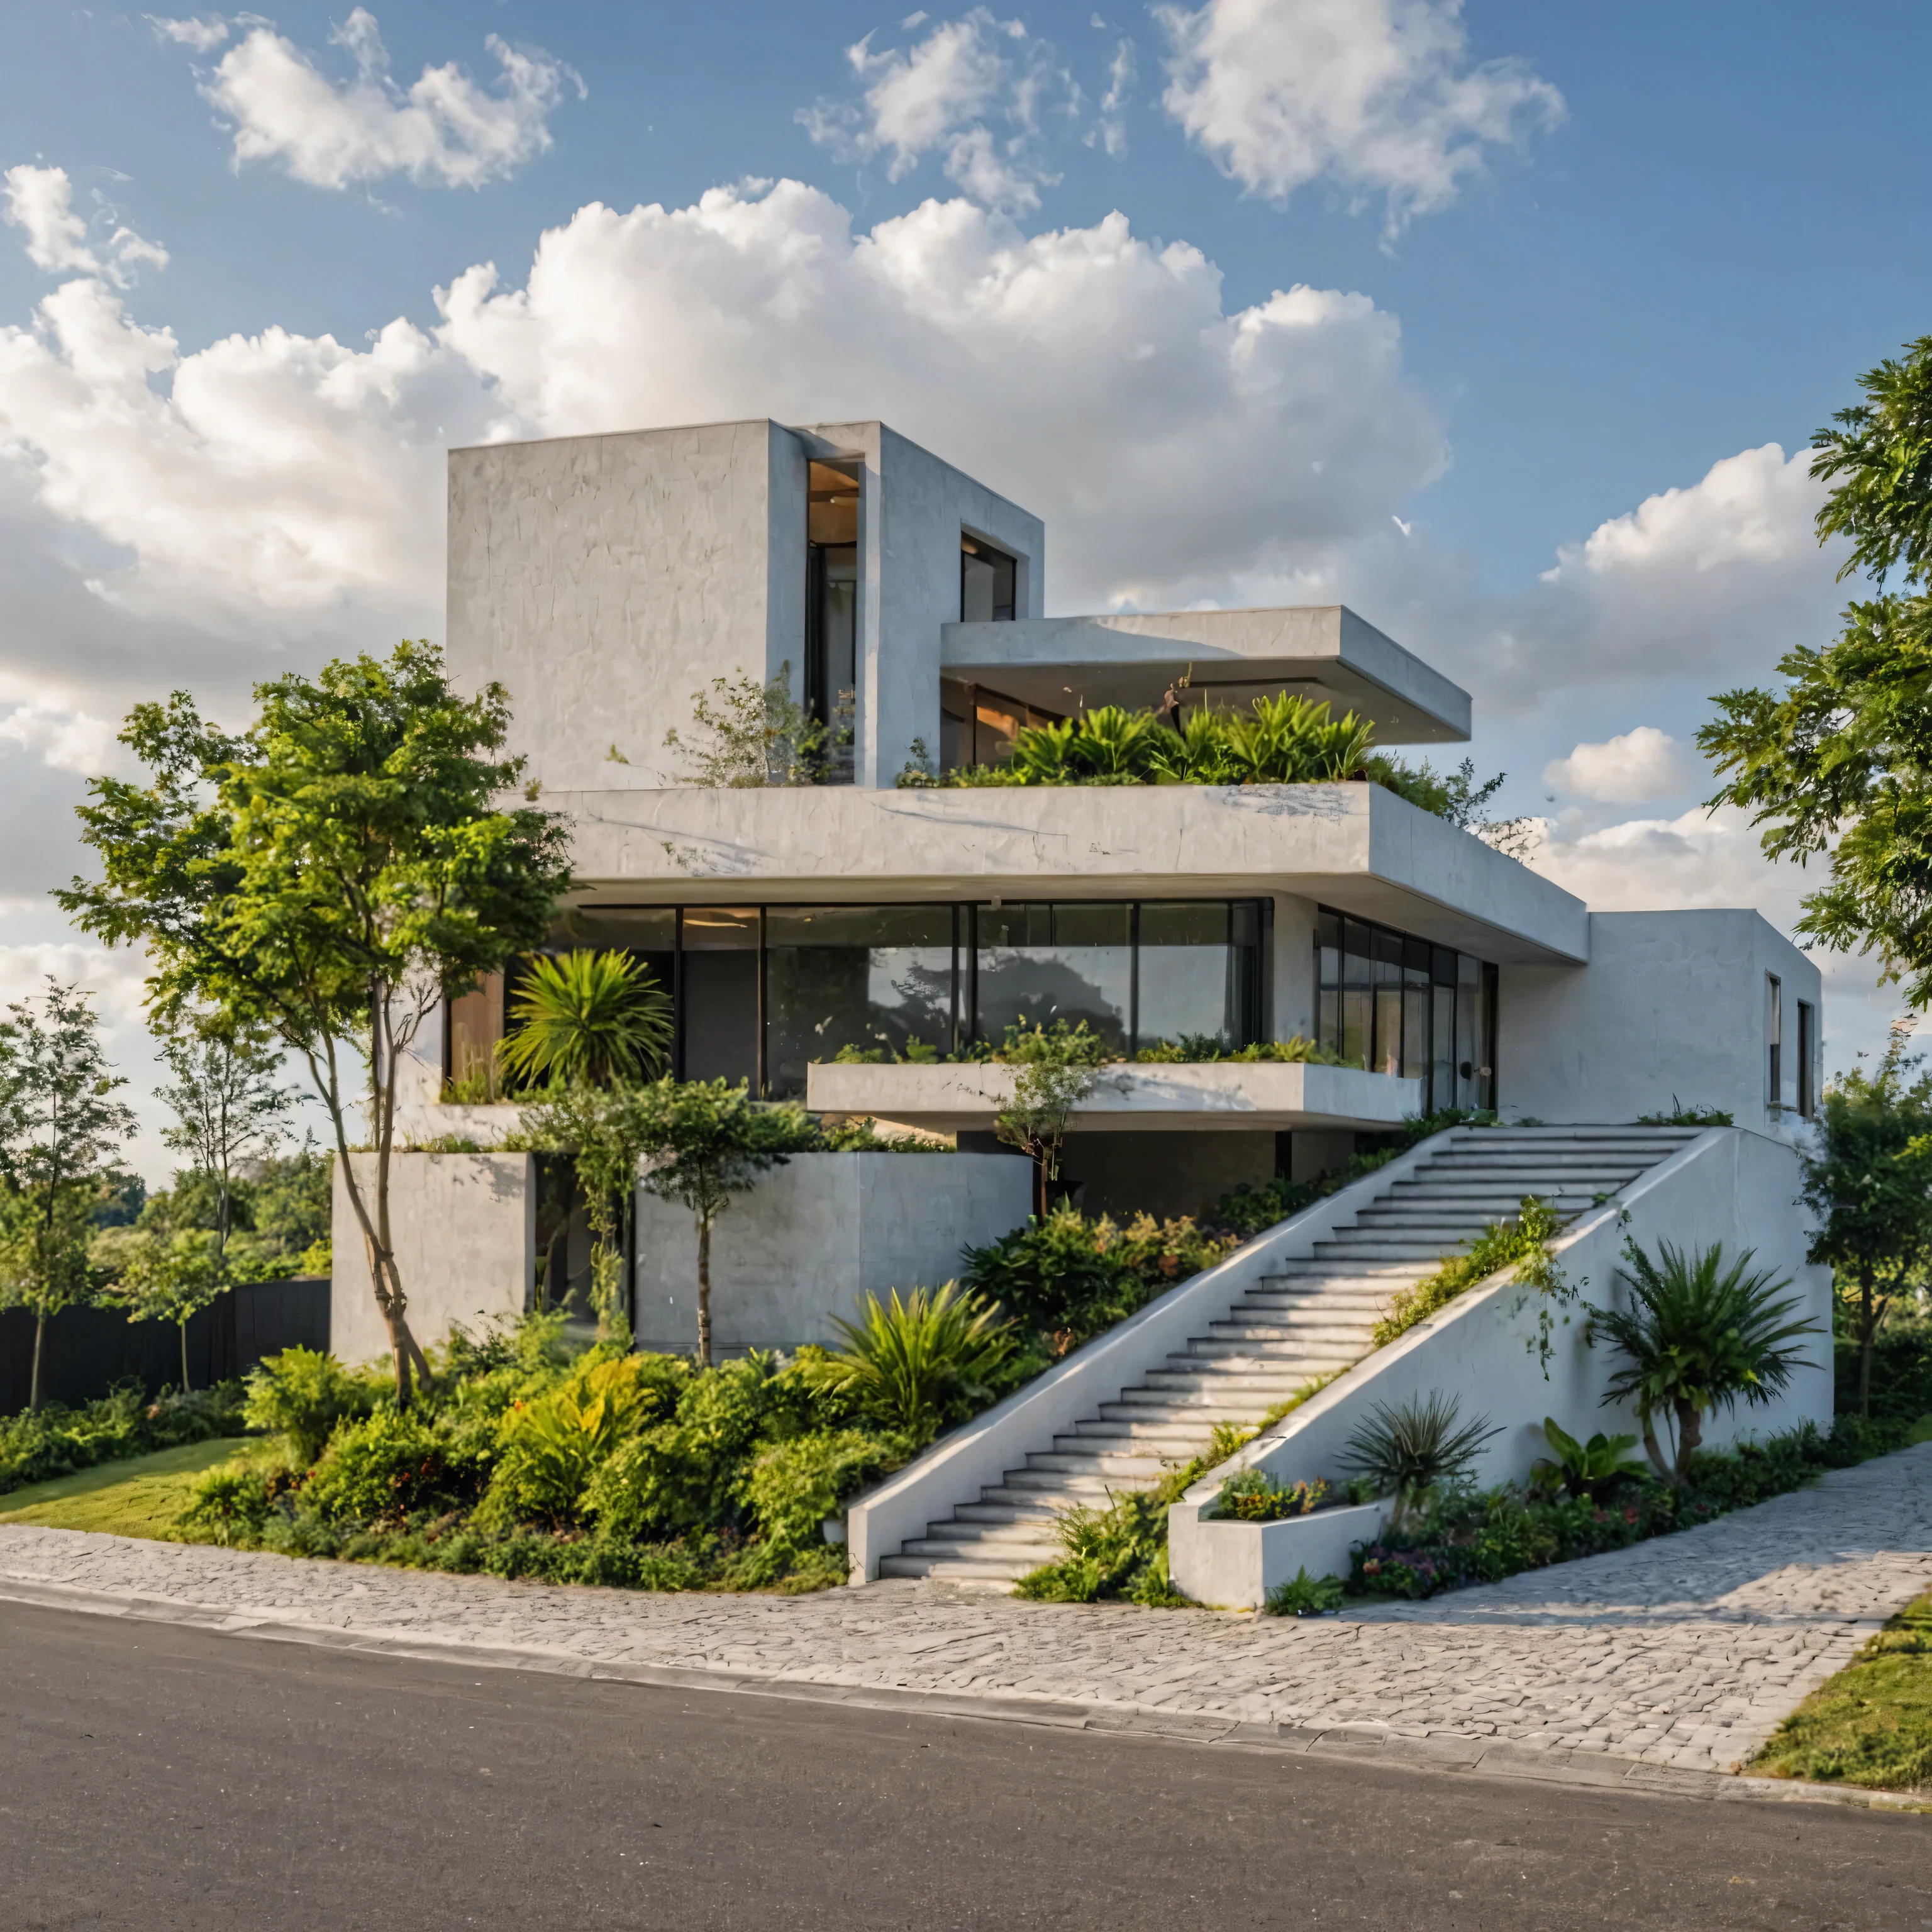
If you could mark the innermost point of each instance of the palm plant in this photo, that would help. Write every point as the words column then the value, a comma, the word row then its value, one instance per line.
column 1406, row 1452
column 588, row 1016
column 1289, row 740
column 1698, row 1337
column 1042, row 753
column 1112, row 742
column 913, row 1362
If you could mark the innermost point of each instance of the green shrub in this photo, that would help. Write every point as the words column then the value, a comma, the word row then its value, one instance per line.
column 382, row 1466
column 794, row 1486
column 305, row 1394
column 1253, row 1497
column 1501, row 1244
column 1412, row 1448
column 549, row 1447
column 230, row 1504
column 917, row 1363
column 60, row 1442
column 1303, row 1596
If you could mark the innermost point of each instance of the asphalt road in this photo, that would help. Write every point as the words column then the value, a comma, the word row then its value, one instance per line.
column 158, row 1778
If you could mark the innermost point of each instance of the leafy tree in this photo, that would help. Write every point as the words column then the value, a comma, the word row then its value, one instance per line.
column 59, row 1125
column 1055, row 1069
column 290, row 1200
column 171, row 1276
column 1695, row 1339
column 1868, row 1178
column 123, row 1196
column 227, row 1104
column 1837, row 763
column 330, row 876
column 753, row 735
column 594, row 1016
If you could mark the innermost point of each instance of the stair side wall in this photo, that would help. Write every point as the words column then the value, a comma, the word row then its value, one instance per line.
column 1728, row 1185
column 957, row 1467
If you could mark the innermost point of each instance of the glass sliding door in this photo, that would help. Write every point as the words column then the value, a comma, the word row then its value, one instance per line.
column 866, row 976
column 719, row 1030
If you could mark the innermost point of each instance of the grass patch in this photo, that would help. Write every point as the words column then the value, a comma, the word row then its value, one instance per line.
column 140, row 1496
column 1871, row 1724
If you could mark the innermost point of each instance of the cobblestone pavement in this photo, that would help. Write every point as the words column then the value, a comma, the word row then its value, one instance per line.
column 1685, row 1652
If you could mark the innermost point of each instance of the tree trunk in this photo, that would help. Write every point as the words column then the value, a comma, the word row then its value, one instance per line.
column 402, row 1349
column 1689, row 1437
column 40, row 1341
column 183, row 1333
column 1653, row 1449
column 704, row 1291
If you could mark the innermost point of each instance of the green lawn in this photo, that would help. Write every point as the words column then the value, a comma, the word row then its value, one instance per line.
column 139, row 1496
column 1872, row 1723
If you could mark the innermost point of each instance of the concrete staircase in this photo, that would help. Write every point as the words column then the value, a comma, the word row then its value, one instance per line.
column 1313, row 1317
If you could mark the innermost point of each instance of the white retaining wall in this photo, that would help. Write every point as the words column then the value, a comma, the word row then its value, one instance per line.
column 814, row 1237
column 1728, row 1185
column 464, row 1228
column 957, row 1467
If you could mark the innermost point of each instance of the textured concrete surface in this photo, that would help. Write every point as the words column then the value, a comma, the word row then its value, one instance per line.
column 254, row 1785
column 1680, row 1654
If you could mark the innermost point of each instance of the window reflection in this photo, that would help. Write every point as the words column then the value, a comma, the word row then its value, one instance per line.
column 1038, row 964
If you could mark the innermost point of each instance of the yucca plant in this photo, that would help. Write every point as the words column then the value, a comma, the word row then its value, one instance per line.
column 588, row 1016
column 912, row 1362
column 1698, row 1337
column 1406, row 1452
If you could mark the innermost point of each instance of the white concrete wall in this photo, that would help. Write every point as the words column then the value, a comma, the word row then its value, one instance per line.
column 1671, row 1004
column 814, row 1237
column 914, row 509
column 1356, row 847
column 464, row 1228
column 603, row 579
column 1727, row 1186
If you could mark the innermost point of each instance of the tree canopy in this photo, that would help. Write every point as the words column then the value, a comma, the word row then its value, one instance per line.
column 331, row 874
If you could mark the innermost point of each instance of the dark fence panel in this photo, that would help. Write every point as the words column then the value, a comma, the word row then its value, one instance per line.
column 88, row 1349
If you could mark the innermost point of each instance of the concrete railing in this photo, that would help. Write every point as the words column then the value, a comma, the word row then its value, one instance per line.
column 1728, row 1185
column 955, row 1469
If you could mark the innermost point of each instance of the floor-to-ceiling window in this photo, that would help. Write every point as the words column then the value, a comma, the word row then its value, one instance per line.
column 831, row 668
column 762, row 991
column 1395, row 1003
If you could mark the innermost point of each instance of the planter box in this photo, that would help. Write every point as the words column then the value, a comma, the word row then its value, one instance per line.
column 1127, row 1097
column 814, row 1237
column 1233, row 1565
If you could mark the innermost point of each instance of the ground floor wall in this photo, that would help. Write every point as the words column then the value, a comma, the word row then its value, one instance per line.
column 814, row 1238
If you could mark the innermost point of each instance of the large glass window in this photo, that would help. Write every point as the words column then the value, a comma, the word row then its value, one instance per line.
column 1199, row 979
column 718, row 987
column 988, row 584
column 1394, row 1003
column 854, row 975
column 1037, row 964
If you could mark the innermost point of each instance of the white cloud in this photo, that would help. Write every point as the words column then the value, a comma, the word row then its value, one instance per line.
column 66, row 740
column 1088, row 374
column 1631, row 769
column 1377, row 97
column 446, row 129
column 40, row 201
column 1109, row 131
column 114, row 977
column 203, row 33
column 275, row 476
column 939, row 95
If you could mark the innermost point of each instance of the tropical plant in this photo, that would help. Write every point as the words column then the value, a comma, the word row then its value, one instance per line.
column 1868, row 1179
column 1303, row 1596
column 548, row 1448
column 1523, row 1242
column 59, row 1124
column 1251, row 1495
column 752, row 735
column 588, row 1016
column 1289, row 740
column 331, row 876
column 1412, row 1450
column 1697, row 1337
column 227, row 1104
column 1056, row 1070
column 1587, row 1469
column 920, row 1362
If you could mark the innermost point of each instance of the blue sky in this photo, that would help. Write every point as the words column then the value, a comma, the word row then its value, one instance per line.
column 1567, row 272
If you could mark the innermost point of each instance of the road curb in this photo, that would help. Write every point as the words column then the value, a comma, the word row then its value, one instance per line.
column 1441, row 1752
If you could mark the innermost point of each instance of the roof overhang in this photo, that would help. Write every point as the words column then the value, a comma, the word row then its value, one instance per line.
column 1064, row 665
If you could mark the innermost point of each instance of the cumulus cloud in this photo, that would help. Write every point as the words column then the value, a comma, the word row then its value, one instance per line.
column 66, row 740
column 1089, row 374
column 940, row 94
column 1631, row 769
column 39, row 202
column 202, row 33
column 1376, row 97
column 446, row 129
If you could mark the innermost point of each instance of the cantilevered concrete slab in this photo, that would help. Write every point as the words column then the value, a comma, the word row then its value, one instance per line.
column 1231, row 1096
column 1356, row 846
column 1061, row 664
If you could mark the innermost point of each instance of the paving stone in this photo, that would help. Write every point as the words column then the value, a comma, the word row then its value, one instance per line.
column 1686, row 1651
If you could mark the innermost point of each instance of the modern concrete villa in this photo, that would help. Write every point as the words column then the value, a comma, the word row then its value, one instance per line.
column 605, row 579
